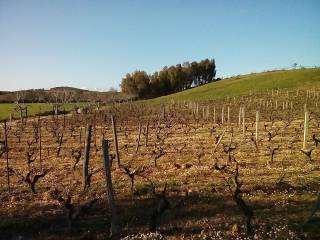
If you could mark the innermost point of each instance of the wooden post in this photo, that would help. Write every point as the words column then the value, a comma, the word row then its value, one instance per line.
column 26, row 112
column 197, row 109
column 147, row 133
column 214, row 115
column 222, row 115
column 228, row 115
column 21, row 116
column 56, row 110
column 86, row 157
column 305, row 132
column 40, row 139
column 138, row 138
column 257, row 125
column 115, row 139
column 80, row 136
column 243, row 122
column 115, row 227
column 7, row 154
column 240, row 112
column 95, row 131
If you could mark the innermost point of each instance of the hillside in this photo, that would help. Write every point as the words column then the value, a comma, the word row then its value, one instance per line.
column 257, row 82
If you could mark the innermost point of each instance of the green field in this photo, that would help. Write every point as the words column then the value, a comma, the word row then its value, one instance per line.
column 34, row 109
column 257, row 82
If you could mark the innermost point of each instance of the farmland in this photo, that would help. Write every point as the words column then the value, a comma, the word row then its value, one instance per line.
column 34, row 109
column 244, row 166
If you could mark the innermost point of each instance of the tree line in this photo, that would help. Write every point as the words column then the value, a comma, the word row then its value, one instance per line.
column 61, row 95
column 169, row 80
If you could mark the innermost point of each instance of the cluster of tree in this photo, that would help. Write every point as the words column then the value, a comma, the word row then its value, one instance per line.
column 169, row 80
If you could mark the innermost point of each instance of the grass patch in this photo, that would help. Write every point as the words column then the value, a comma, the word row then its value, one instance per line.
column 254, row 83
column 34, row 109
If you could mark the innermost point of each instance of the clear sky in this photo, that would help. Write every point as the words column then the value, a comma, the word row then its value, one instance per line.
column 93, row 44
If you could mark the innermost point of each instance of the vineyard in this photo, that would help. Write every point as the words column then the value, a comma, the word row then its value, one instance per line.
column 241, row 167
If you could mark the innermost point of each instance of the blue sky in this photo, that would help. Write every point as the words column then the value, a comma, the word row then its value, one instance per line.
column 93, row 44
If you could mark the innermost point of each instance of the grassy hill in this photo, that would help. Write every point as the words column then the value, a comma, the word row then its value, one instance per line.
column 257, row 82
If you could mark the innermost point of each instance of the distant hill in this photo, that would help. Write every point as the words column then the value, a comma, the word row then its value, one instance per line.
column 68, row 89
column 243, row 84
column 62, row 94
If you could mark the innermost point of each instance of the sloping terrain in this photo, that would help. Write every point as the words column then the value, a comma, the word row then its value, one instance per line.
column 258, row 82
